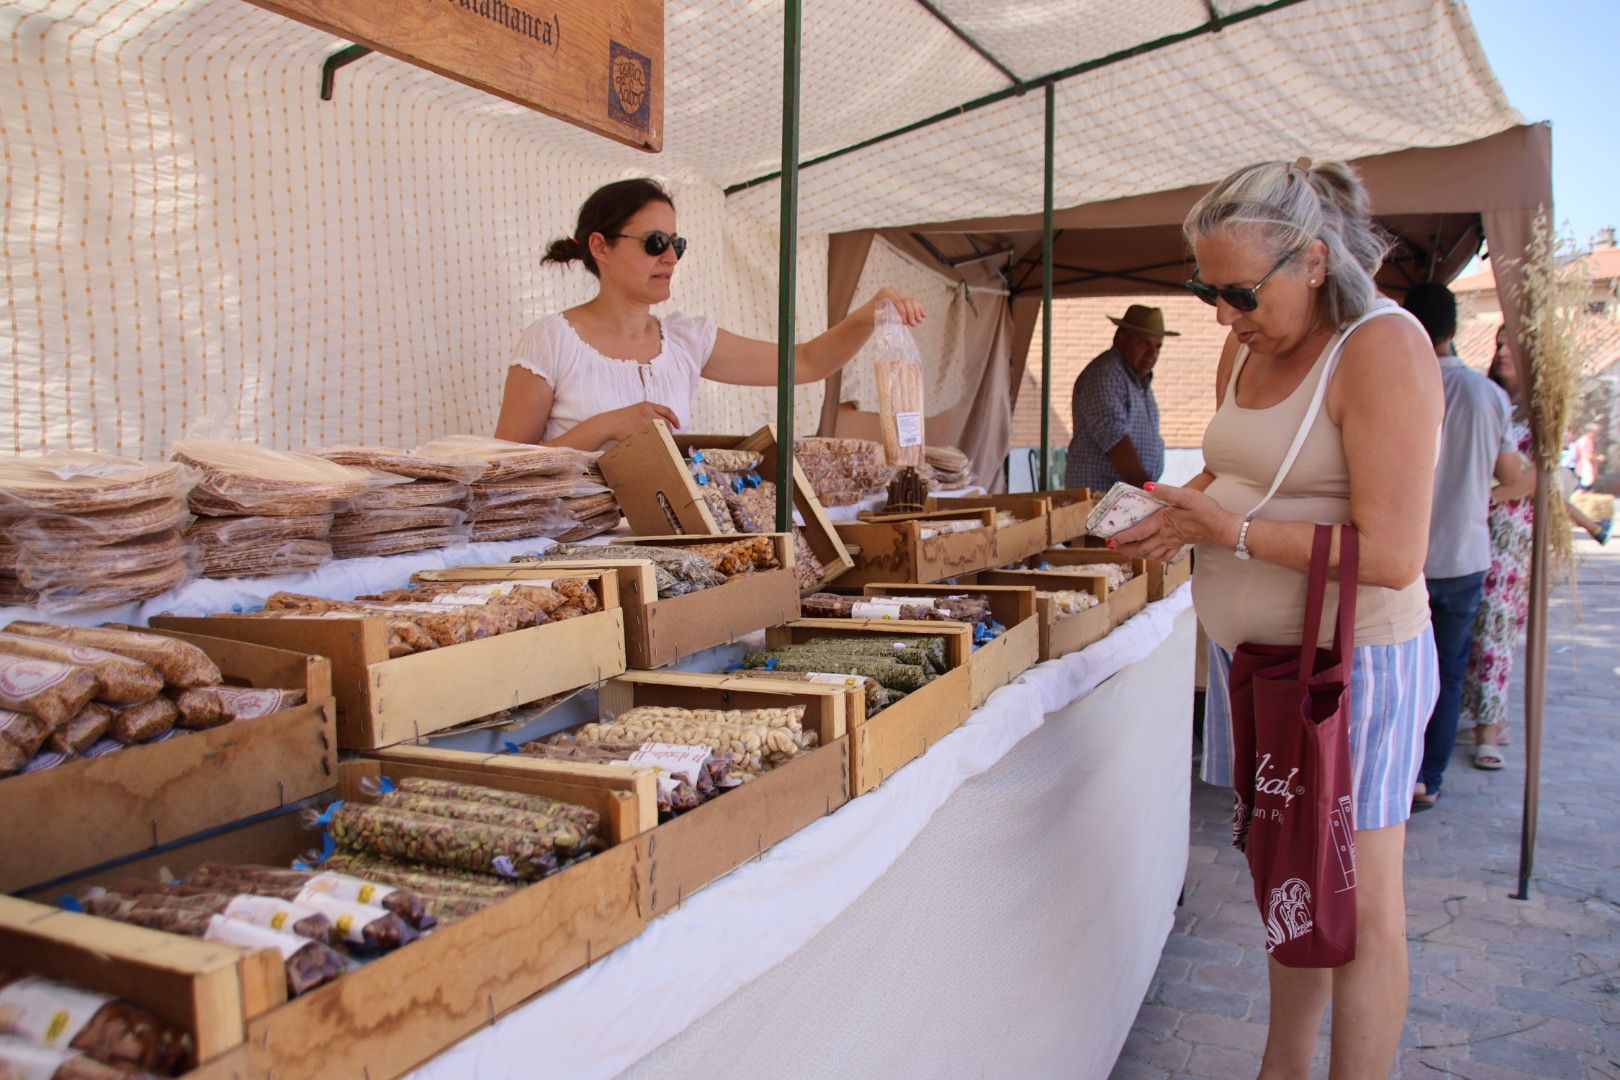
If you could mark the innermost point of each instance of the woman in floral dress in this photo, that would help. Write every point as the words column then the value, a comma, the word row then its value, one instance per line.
column 1506, row 600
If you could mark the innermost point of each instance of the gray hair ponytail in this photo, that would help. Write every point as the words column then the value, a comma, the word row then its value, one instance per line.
column 1290, row 204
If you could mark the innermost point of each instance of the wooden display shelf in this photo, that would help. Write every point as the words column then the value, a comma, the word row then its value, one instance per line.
column 891, row 547
column 1059, row 635
column 881, row 744
column 1124, row 601
column 1030, row 535
column 658, row 632
column 399, row 1010
column 202, row 987
column 87, row 811
column 1163, row 578
column 995, row 663
column 701, row 845
column 383, row 700
column 655, row 487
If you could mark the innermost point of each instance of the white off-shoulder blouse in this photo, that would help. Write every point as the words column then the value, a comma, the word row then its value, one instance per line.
column 585, row 383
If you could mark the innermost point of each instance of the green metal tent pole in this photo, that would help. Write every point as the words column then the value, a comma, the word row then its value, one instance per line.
column 1044, row 481
column 787, row 244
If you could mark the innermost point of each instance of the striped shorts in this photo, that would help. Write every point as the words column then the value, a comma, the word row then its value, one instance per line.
column 1392, row 692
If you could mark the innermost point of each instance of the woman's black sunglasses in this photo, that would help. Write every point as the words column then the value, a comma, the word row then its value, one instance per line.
column 655, row 243
column 1241, row 297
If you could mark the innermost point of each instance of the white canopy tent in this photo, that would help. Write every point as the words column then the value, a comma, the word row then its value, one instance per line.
column 191, row 234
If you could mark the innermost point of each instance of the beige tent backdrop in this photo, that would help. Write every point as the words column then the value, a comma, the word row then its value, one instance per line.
column 192, row 237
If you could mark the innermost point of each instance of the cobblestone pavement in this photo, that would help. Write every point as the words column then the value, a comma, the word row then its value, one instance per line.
column 1501, row 988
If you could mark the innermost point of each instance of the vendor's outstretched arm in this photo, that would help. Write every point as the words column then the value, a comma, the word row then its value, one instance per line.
column 744, row 361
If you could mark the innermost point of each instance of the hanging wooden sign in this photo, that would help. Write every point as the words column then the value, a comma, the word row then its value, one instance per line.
column 595, row 63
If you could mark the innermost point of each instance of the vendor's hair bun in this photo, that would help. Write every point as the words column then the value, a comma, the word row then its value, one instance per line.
column 565, row 250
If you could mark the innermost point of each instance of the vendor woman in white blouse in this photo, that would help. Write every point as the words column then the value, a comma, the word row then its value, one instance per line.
column 596, row 373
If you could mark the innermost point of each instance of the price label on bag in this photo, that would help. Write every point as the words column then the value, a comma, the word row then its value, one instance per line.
column 909, row 428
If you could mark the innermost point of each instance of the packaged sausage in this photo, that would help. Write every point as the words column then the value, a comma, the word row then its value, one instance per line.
column 123, row 681
column 162, row 907
column 80, row 733
column 308, row 963
column 59, row 1016
column 181, row 663
column 52, row 691
column 299, row 884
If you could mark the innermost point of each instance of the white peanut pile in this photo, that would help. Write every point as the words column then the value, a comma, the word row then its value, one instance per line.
column 1116, row 573
column 756, row 739
column 1069, row 603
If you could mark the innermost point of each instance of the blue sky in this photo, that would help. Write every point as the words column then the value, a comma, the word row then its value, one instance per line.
column 1556, row 60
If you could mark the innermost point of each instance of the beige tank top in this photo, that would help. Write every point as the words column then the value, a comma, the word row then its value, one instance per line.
column 1258, row 602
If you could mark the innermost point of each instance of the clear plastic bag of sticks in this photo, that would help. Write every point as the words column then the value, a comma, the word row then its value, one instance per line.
column 900, row 385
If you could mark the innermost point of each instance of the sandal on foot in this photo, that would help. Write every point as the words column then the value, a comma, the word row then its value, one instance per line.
column 1487, row 756
column 1424, row 801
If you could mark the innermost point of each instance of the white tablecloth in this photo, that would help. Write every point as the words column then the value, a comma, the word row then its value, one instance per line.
column 984, row 902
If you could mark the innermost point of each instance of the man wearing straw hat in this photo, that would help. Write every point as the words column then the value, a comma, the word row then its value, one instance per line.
column 1116, row 418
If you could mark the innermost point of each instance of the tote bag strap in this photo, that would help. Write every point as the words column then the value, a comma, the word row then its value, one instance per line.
column 1344, row 630
column 1335, row 348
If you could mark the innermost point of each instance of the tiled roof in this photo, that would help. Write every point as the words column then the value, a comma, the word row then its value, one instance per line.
column 1603, row 263
column 1600, row 341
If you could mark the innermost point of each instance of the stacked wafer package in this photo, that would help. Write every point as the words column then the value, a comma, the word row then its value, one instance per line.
column 68, row 690
column 952, row 469
column 262, row 511
column 81, row 530
column 423, row 507
column 527, row 490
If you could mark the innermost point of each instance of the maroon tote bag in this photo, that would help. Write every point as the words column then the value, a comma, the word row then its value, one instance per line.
column 1293, row 816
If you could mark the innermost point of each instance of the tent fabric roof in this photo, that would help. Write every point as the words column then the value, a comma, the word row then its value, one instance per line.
column 1339, row 78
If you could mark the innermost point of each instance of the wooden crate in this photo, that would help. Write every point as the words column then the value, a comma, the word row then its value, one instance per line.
column 402, row 1008
column 1124, row 601
column 1166, row 578
column 202, row 987
column 995, row 663
column 1060, row 636
column 87, row 811
column 697, row 847
column 1031, row 535
column 658, row 632
column 903, row 732
column 891, row 548
column 649, row 475
column 1069, row 509
column 383, row 700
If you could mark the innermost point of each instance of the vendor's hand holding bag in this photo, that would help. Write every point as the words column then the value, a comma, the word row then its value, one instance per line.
column 1292, row 777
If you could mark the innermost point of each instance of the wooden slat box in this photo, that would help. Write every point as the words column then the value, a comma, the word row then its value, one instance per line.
column 1069, row 509
column 402, row 1008
column 1124, row 601
column 701, row 845
column 383, row 700
column 891, row 547
column 1060, row 636
column 649, row 475
column 659, row 632
column 202, row 987
column 87, row 811
column 1031, row 535
column 1163, row 578
column 995, row 663
column 881, row 744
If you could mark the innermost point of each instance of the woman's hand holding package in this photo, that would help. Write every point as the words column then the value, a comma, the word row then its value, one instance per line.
column 1191, row 518
column 910, row 311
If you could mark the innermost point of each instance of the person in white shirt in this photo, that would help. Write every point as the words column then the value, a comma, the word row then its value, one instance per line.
column 594, row 374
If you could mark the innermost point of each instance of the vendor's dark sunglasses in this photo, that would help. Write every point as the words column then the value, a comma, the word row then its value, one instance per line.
column 655, row 243
column 1241, row 297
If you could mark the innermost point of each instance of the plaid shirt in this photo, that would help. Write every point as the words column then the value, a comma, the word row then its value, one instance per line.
column 1110, row 402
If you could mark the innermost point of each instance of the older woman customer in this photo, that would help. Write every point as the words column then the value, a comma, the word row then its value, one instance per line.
column 1286, row 253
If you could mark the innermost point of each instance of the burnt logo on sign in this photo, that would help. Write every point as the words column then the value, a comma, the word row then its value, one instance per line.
column 629, row 87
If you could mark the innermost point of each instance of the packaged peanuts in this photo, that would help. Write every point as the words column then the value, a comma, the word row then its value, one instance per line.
column 52, row 691
column 123, row 681
column 145, row 722
column 21, row 736
column 181, row 663
column 80, row 733
column 60, row 1016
